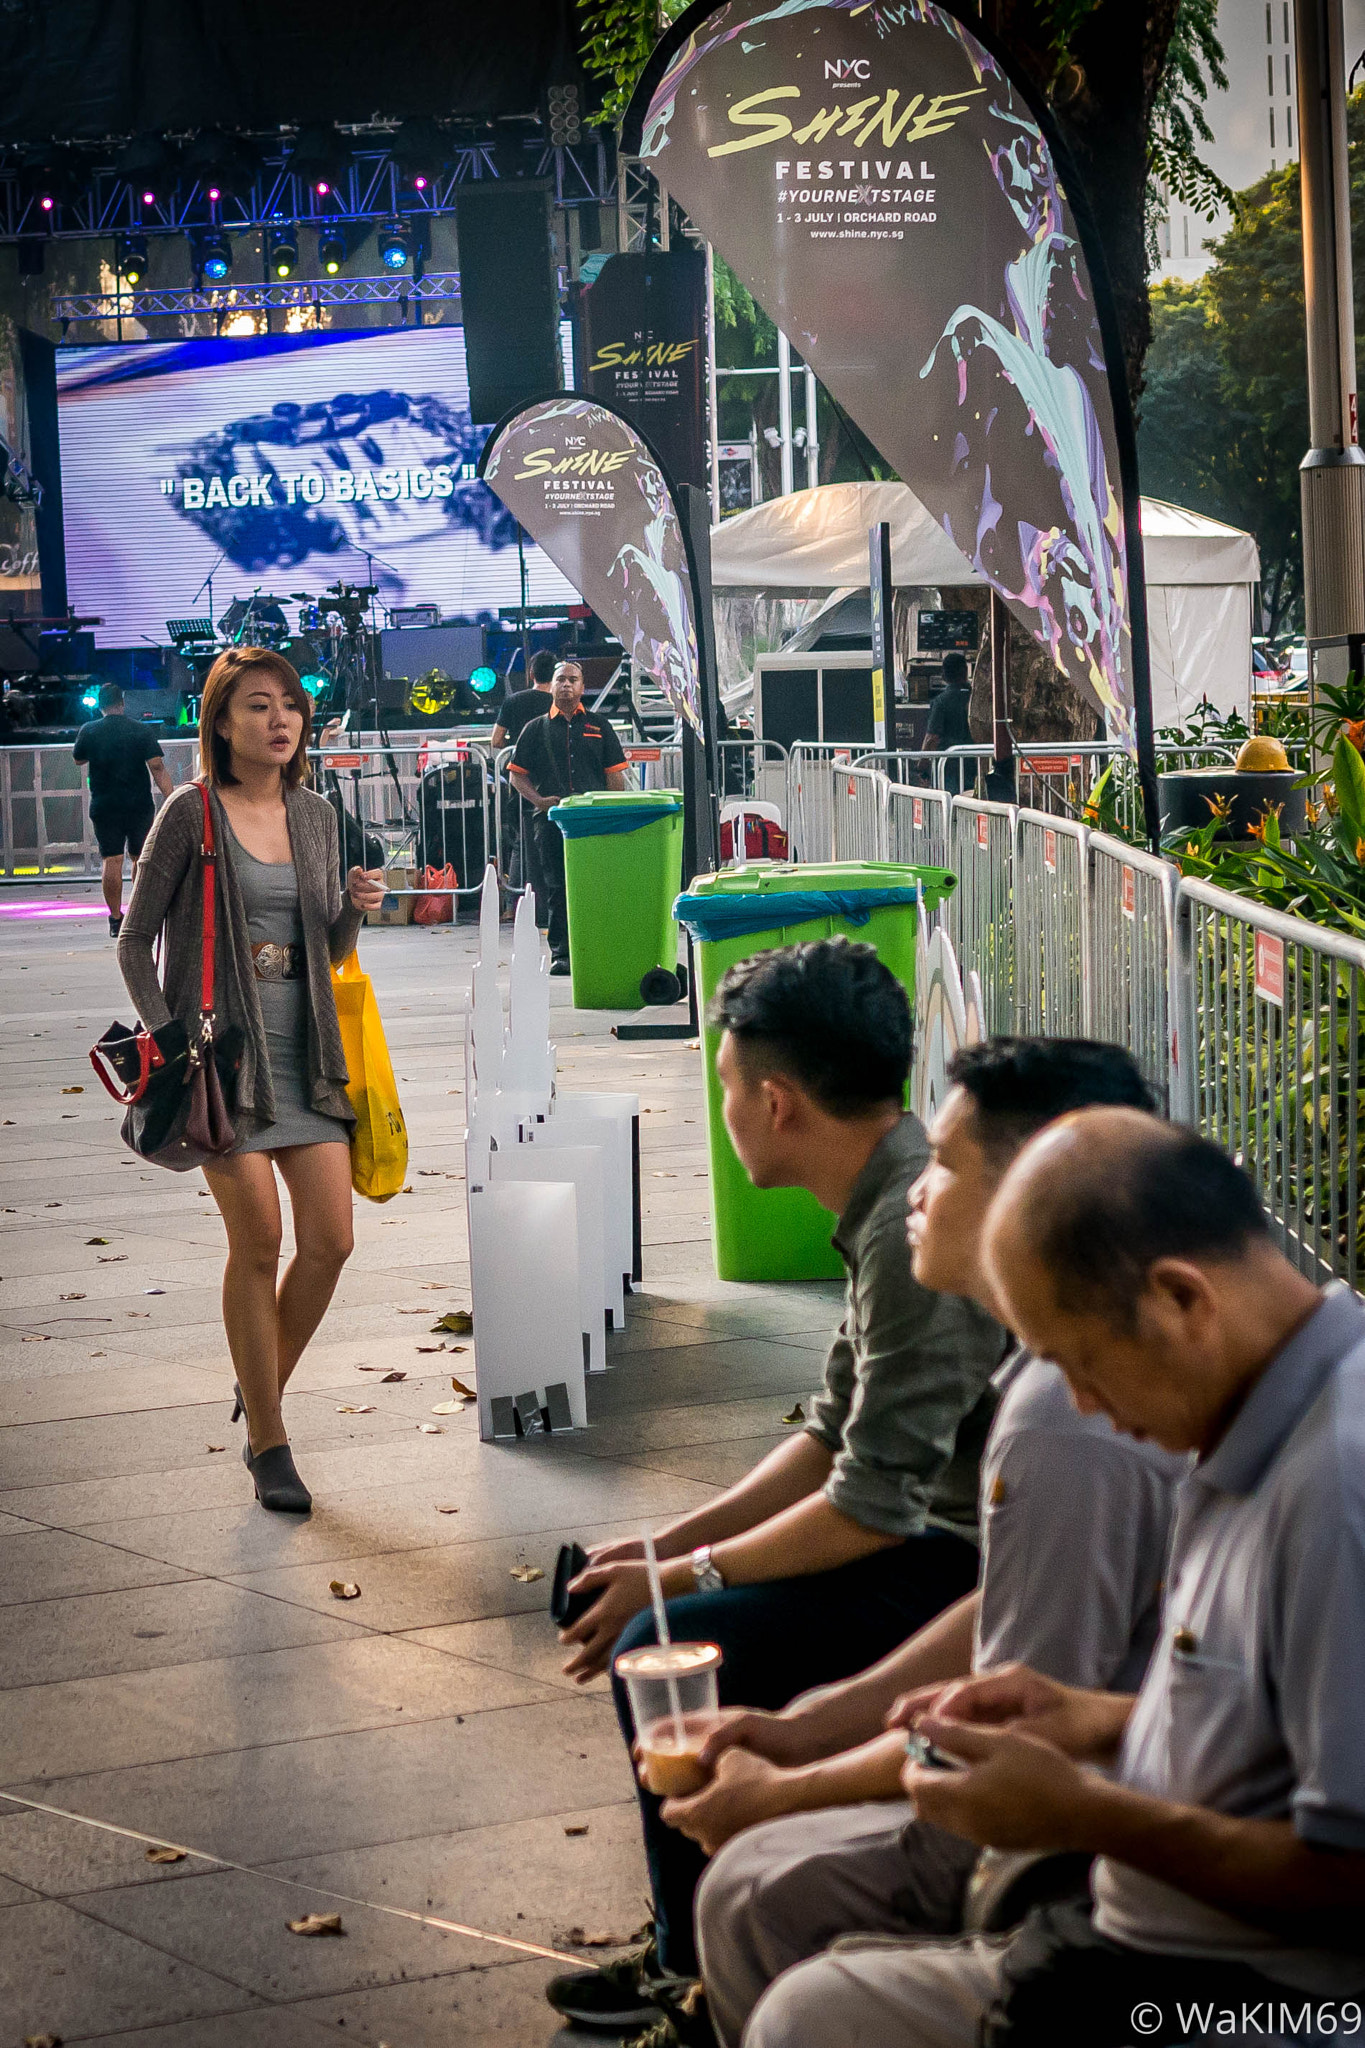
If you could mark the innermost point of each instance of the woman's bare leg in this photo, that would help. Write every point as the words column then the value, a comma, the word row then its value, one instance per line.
column 318, row 1178
column 243, row 1186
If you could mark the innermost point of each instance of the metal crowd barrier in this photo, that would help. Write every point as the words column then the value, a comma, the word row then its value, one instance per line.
column 421, row 805
column 1051, row 979
column 1273, row 1025
column 981, row 912
column 45, row 829
column 917, row 825
column 1130, row 917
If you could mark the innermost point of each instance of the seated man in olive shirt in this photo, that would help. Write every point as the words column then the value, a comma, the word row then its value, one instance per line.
column 853, row 1532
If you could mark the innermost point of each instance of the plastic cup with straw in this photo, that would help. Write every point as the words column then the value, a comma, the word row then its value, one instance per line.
column 673, row 1697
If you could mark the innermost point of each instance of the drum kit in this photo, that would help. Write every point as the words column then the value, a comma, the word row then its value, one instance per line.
column 330, row 640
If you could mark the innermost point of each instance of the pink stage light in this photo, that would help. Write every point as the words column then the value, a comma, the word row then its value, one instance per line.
column 322, row 188
column 46, row 203
column 149, row 199
column 419, row 183
column 214, row 195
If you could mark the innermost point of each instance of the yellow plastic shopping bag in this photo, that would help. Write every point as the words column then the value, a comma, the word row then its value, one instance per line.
column 379, row 1139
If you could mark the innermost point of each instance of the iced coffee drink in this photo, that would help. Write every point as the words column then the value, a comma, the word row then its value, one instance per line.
column 673, row 1703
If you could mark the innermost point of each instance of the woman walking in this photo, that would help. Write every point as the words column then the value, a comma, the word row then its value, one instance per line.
column 282, row 923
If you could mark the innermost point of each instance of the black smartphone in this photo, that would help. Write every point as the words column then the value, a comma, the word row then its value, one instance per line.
column 566, row 1608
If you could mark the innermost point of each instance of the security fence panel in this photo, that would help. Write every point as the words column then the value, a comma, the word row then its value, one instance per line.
column 917, row 826
column 1131, row 905
column 415, row 810
column 1050, row 889
column 810, row 802
column 1273, row 1022
column 45, row 829
column 980, row 910
column 758, row 769
column 858, row 811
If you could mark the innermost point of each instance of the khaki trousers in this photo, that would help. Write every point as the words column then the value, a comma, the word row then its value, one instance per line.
column 780, row 1894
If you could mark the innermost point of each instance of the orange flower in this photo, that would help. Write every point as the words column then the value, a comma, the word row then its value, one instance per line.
column 1353, row 729
column 1312, row 811
column 1360, row 850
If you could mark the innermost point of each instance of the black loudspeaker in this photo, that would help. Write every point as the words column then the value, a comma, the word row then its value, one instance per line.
column 508, row 296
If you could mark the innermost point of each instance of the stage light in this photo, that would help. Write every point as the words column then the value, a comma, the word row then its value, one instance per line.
column 332, row 250
column 46, row 202
column 284, row 252
column 149, row 167
column 563, row 115
column 91, row 700
column 215, row 257
column 214, row 195
column 130, row 257
column 219, row 165
column 149, row 198
column 322, row 188
column 420, row 149
column 314, row 685
column 395, row 245
column 483, row 680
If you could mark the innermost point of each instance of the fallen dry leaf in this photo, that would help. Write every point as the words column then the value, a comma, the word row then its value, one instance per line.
column 430, row 1347
column 343, row 1589
column 350, row 1408
column 97, row 1240
column 215, row 1447
column 457, row 1347
column 392, row 1378
column 447, row 1511
column 798, row 1414
column 402, row 1312
column 42, row 2041
column 527, row 1574
column 459, row 1321
column 165, row 1854
column 35, row 1340
column 114, row 1258
column 576, row 1831
column 73, row 1091
column 71, row 1297
column 576, row 1938
column 316, row 1923
column 449, row 1408
column 459, row 1387
column 431, row 1429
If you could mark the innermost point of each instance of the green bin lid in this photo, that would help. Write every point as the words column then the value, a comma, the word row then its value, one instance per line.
column 765, row 877
column 604, row 799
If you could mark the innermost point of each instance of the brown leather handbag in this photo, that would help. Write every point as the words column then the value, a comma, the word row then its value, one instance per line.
column 180, row 1094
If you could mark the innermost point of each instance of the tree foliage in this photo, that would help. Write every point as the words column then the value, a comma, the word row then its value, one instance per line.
column 1225, row 414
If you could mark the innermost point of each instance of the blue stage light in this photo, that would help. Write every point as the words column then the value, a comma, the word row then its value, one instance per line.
column 91, row 700
column 215, row 257
column 395, row 245
column 313, row 684
column 483, row 680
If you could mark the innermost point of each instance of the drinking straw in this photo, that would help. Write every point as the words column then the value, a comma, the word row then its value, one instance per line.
column 656, row 1594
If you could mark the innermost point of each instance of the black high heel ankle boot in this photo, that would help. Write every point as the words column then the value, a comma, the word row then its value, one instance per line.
column 276, row 1481
column 238, row 1404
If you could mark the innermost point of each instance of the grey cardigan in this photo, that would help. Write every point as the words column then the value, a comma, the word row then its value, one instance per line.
column 169, row 892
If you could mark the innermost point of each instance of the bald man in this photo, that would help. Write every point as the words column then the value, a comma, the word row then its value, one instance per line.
column 1229, row 1831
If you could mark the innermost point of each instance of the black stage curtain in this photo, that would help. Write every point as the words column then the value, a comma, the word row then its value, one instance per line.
column 89, row 69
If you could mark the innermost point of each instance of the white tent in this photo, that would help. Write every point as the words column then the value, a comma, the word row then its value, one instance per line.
column 1199, row 576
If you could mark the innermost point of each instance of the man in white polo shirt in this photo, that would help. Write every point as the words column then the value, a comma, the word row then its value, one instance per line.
column 1231, row 1834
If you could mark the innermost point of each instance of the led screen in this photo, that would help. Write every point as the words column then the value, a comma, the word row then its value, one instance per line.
column 278, row 463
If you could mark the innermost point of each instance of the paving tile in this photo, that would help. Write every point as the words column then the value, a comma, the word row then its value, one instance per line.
column 111, row 1389
column 112, row 1446
column 500, row 2006
column 64, row 1973
column 47, row 1563
column 58, row 1856
column 148, row 1627
column 513, row 1642
column 259, row 2028
column 61, row 1730
column 376, row 1785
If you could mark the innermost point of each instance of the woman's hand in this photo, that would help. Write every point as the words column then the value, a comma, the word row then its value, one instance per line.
column 780, row 1740
column 365, row 887
column 625, row 1550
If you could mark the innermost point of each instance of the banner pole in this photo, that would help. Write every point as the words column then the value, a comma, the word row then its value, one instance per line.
column 712, row 382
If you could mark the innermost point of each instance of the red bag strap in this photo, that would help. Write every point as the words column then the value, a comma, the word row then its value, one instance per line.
column 209, row 857
column 148, row 1055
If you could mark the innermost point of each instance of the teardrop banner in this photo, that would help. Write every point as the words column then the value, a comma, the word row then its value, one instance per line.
column 895, row 203
column 589, row 490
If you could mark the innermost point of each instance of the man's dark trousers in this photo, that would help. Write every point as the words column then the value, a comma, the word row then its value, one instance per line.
column 547, row 855
column 779, row 1639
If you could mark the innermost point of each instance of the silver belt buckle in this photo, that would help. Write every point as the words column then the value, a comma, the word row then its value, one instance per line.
column 273, row 961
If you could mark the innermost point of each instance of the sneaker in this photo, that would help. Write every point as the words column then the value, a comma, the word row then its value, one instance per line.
column 683, row 2020
column 560, row 967
column 115, row 926
column 614, row 1997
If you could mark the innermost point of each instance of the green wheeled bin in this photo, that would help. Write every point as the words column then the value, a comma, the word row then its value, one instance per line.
column 622, row 867
column 784, row 1233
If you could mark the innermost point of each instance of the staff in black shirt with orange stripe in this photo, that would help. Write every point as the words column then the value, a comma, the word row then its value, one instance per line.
column 566, row 753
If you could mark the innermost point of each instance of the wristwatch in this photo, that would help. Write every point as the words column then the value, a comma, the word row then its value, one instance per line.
column 706, row 1574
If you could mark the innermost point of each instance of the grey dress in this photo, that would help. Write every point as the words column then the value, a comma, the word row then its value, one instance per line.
column 270, row 897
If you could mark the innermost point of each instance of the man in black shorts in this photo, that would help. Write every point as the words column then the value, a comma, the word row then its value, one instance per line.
column 119, row 753
column 563, row 754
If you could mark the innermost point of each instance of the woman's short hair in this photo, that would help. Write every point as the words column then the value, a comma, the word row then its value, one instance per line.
column 215, row 756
